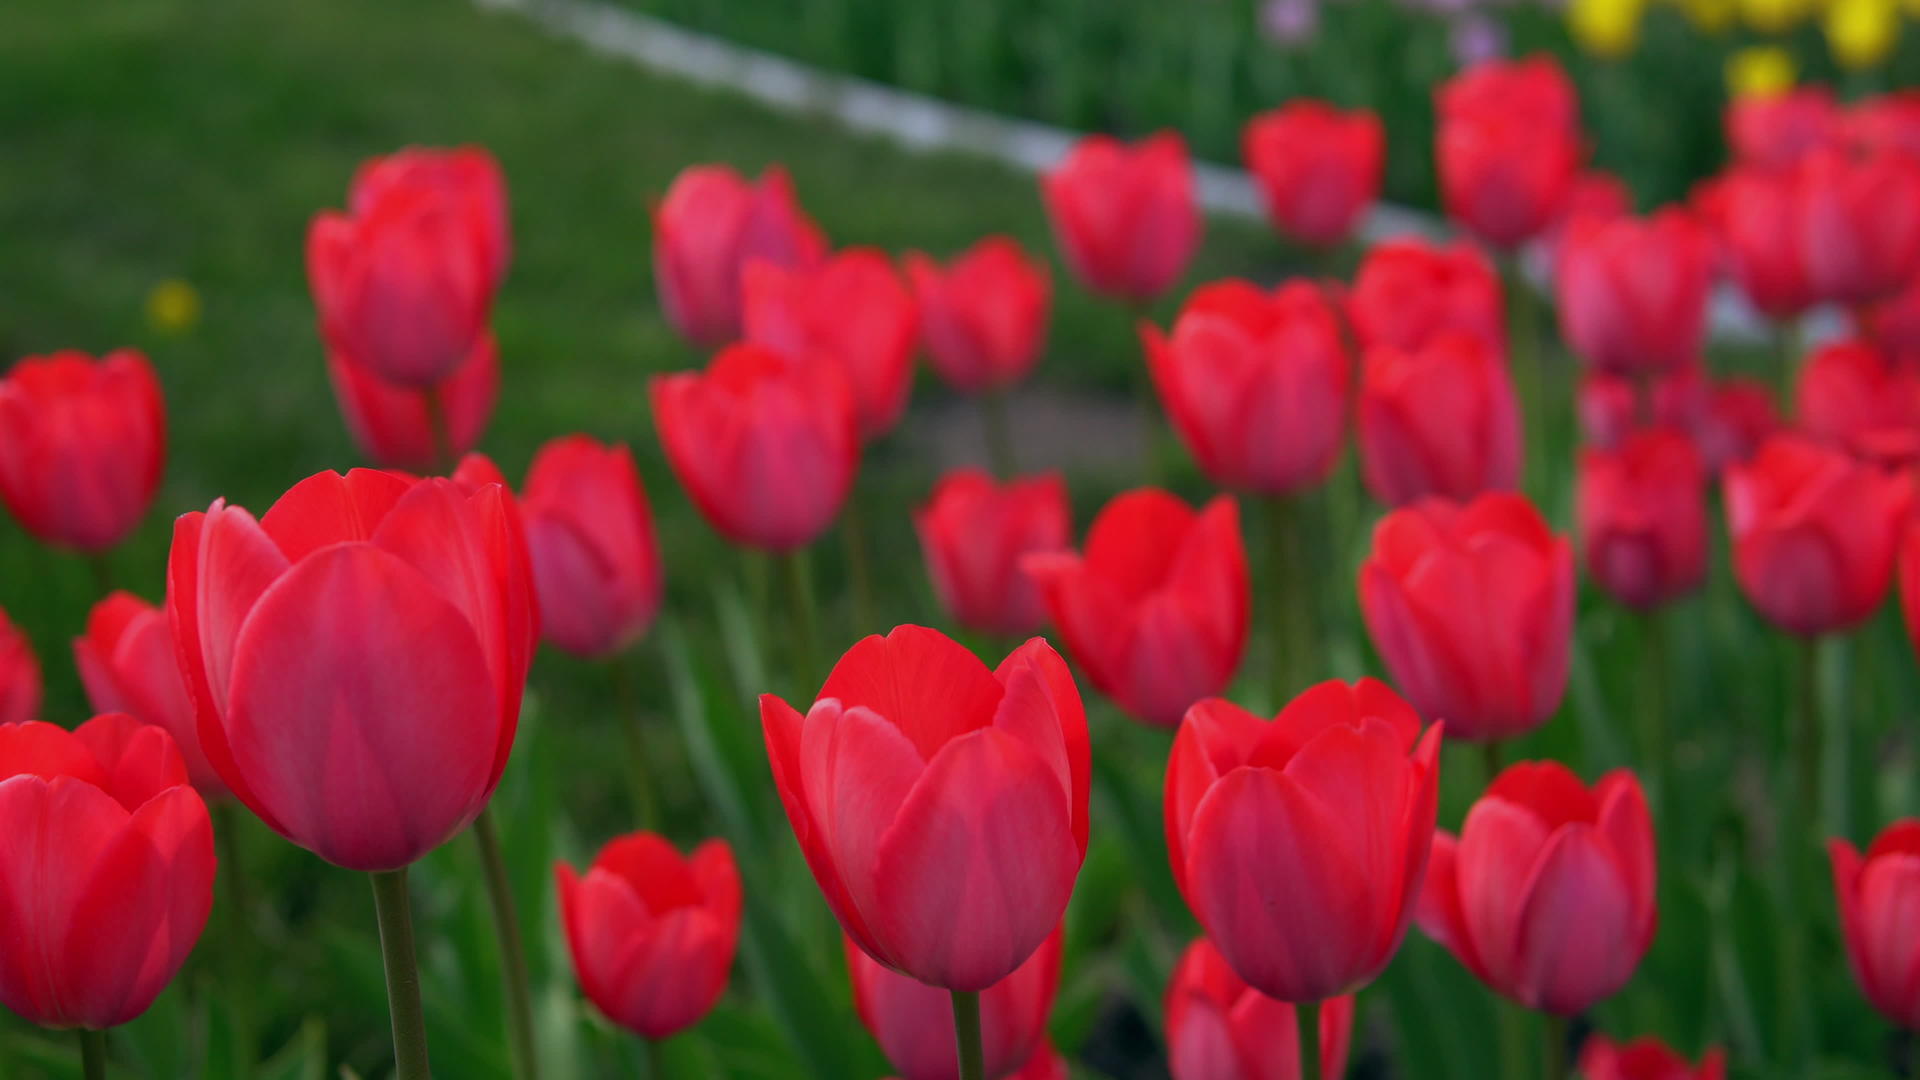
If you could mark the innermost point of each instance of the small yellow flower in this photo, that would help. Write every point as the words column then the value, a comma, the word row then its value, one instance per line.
column 1774, row 16
column 173, row 307
column 1714, row 16
column 1608, row 29
column 1760, row 71
column 1860, row 33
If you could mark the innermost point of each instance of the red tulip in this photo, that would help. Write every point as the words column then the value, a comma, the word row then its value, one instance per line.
column 19, row 676
column 1408, row 292
column 1895, row 322
column 1219, row 1028
column 356, row 657
column 1888, row 122
column 1471, row 607
column 941, row 806
column 1859, row 223
column 1642, row 518
column 1124, row 216
column 127, row 664
column 476, row 471
column 1754, row 214
column 107, row 874
column 1300, row 843
column 1814, row 534
column 975, row 534
column 596, row 564
column 1256, row 383
column 1045, row 1064
column 1608, row 408
column 1318, row 167
column 394, row 425
column 82, row 445
column 709, row 226
column 1595, row 197
column 913, row 1022
column 1633, row 292
column 1728, row 418
column 1774, row 131
column 1857, row 397
column 984, row 314
column 1877, row 896
column 1155, row 608
column 1547, row 895
column 765, row 444
column 652, row 933
column 1441, row 419
column 1508, row 147
column 1908, row 558
column 469, row 176
column 1645, row 1059
column 1535, row 89
column 852, row 310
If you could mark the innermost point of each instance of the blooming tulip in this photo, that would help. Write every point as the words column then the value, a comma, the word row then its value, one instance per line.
column 1318, row 168
column 1535, row 89
column 1155, row 608
column 1409, row 292
column 469, row 176
column 82, row 445
column 1440, row 419
column 1642, row 518
column 1753, row 213
column 652, row 933
column 1547, row 895
column 1876, row 896
column 1729, row 419
column 1859, row 223
column 983, row 315
column 1219, row 1028
column 19, row 676
column 913, row 1022
column 1886, row 122
column 941, row 806
column 1856, row 396
column 1300, row 842
column 1894, row 322
column 975, row 534
column 1507, row 146
column 1774, row 131
column 709, row 226
column 127, row 664
column 1471, row 607
column 1645, row 1059
column 356, row 657
column 403, row 427
column 1124, row 216
column 1633, row 292
column 1257, row 384
column 851, row 310
column 107, row 874
column 596, row 564
column 766, row 444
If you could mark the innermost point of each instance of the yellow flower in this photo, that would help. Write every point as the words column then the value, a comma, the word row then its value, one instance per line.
column 1606, row 28
column 1713, row 16
column 173, row 307
column 1760, row 71
column 1860, row 33
column 1774, row 16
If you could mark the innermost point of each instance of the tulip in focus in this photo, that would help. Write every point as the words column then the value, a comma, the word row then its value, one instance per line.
column 975, row 534
column 913, row 1022
column 1642, row 518
column 1318, row 167
column 708, row 227
column 19, row 676
column 1440, row 419
column 851, row 310
column 1858, row 397
column 1124, row 215
column 1876, row 896
column 983, row 316
column 1219, row 1028
column 596, row 563
column 403, row 427
column 1633, row 292
column 82, row 446
column 128, row 664
column 468, row 176
column 1645, row 1059
column 1408, row 292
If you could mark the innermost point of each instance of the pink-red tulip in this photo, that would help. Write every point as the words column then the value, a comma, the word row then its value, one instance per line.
column 652, row 932
column 852, row 311
column 1318, row 167
column 975, row 533
column 1608, row 408
column 1508, row 147
column 1888, row 122
column 1408, row 292
column 1300, row 842
column 1641, row 517
column 1219, row 1028
column 403, row 427
column 596, row 563
column 356, row 657
column 1908, row 563
column 128, row 664
column 1535, row 89
column 1774, row 131
column 913, row 1022
column 942, row 806
column 1754, row 214
column 1894, row 323
column 1439, row 419
column 1547, row 895
column 710, row 225
column 1124, row 216
column 765, row 444
column 1645, row 1058
column 1155, row 607
column 1859, row 223
column 106, row 877
column 82, row 445
column 19, row 676
column 984, row 314
column 468, row 176
column 1633, row 291
column 1045, row 1064
column 1877, row 896
column 1258, row 384
column 1854, row 395
column 1729, row 418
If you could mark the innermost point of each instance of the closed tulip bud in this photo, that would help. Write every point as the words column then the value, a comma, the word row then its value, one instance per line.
column 1729, row 419
column 1299, row 842
column 1642, row 518
column 1535, row 89
column 1633, row 291
column 1471, row 608
column 913, row 1022
column 1894, row 323
column 1408, row 292
column 109, row 856
column 1645, row 1059
column 1886, row 122
column 852, row 311
column 1440, row 419
column 82, row 446
column 1857, row 397
column 1774, row 131
column 652, row 932
column 468, row 176
column 1814, row 534
column 1876, row 896
column 1753, row 212
column 1155, row 607
column 1318, row 167
column 765, row 444
column 1507, row 147
column 128, row 664
column 1608, row 408
column 596, row 563
column 356, row 657
column 1257, row 384
column 1596, row 196
column 1547, row 895
column 19, row 676
column 394, row 425
column 1859, row 223
column 975, row 534
column 710, row 225
column 941, row 806
column 1219, row 1028
column 1124, row 215
column 984, row 314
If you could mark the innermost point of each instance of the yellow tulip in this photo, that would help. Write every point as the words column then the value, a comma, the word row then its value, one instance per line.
column 1860, row 33
column 1605, row 28
column 1773, row 16
column 1760, row 71
column 1714, row 16
column 173, row 307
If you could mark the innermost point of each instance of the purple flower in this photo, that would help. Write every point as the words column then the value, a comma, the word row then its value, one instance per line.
column 1476, row 38
column 1289, row 22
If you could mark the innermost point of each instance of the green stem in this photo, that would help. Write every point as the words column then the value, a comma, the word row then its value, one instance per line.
column 1527, row 360
column 646, row 812
column 853, row 537
column 1515, row 1060
column 1286, row 598
column 993, row 414
column 1554, row 1048
column 804, row 622
column 513, row 950
column 656, row 1060
column 1491, row 753
column 1656, row 754
column 438, row 438
column 1807, row 728
column 102, row 573
column 966, row 1032
column 1306, row 1017
column 236, row 943
column 93, row 1054
column 1788, row 338
column 403, row 975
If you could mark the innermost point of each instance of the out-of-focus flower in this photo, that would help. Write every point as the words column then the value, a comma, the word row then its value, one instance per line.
column 395, row 426
column 128, row 665
column 1318, row 167
column 983, row 315
column 1289, row 22
column 1752, row 210
column 1608, row 29
column 1760, row 71
column 596, row 562
column 1876, row 896
column 1507, row 148
column 1887, row 121
column 1124, row 215
column 1858, row 220
column 1408, row 292
column 1646, row 1058
column 1894, row 323
column 1219, row 1028
column 82, row 445
column 1641, row 516
column 1476, row 39
column 1728, row 418
column 1861, row 33
column 975, row 532
column 173, row 307
column 1774, row 16
column 1633, row 291
column 1770, row 125
column 913, row 1022
column 1441, row 419
column 19, row 676
column 1857, row 397
column 710, row 225
column 1711, row 16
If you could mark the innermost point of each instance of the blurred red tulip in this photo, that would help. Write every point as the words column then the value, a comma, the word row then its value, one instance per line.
column 1608, row 408
column 1219, row 1028
column 1318, row 167
column 1642, row 518
column 394, row 425
column 1633, row 291
column 1257, row 384
column 1857, row 397
column 596, row 564
column 1507, row 146
column 941, row 806
column 82, row 446
column 1774, row 131
column 975, row 533
column 357, row 656
column 1877, row 896
column 1535, row 89
column 1440, row 419
column 107, row 874
column 1814, row 533
column 652, row 933
column 913, row 1022
column 984, row 314
column 1728, row 418
column 1299, row 843
column 709, row 226
column 1045, row 1064
column 1645, row 1059
column 1859, row 223
column 765, row 444
column 1598, row 195
column 128, row 664
column 851, row 310
column 1754, row 214
column 1894, row 323
column 476, row 471
column 1124, row 215
column 1408, row 292
column 1547, row 895
column 468, row 176
column 1155, row 608
column 19, row 676
column 1886, row 122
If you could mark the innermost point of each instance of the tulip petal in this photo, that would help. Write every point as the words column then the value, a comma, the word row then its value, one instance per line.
column 859, row 770
column 1574, row 938
column 329, row 508
column 1499, row 846
column 928, row 685
column 238, row 561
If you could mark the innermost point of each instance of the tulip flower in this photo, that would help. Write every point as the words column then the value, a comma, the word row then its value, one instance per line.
column 1729, row 419
column 1857, row 397
column 1408, row 292
column 1642, row 518
column 1535, row 89
column 983, row 315
column 765, row 444
column 1547, row 894
column 652, row 932
column 19, row 676
column 1471, row 608
column 1876, row 896
column 975, row 534
column 82, row 446
column 1754, row 214
column 708, row 227
column 596, row 564
column 1858, row 223
column 402, row 427
column 913, row 1022
column 1645, row 1059
column 1886, row 122
column 1439, row 419
column 1814, row 534
column 1124, row 216
column 128, row 664
column 1318, row 168
column 1219, row 1028
column 1256, row 383
column 1507, row 146
column 1045, row 1064
column 1299, row 843
column 851, row 310
column 469, row 176
column 1155, row 607
column 1607, row 407
column 1894, row 323
column 1774, row 131
column 1633, row 292
column 941, row 806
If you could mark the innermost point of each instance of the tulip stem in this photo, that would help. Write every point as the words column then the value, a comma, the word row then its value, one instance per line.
column 803, row 630
column 403, row 975
column 1490, row 754
column 1655, row 752
column 93, row 1054
column 853, row 538
column 993, row 413
column 237, row 944
column 656, row 1060
column 1288, row 598
column 646, row 812
column 1807, row 715
column 440, row 441
column 1788, row 336
column 1554, row 1028
column 513, row 951
column 966, row 1032
column 1526, row 356
column 1306, row 1017
column 102, row 572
